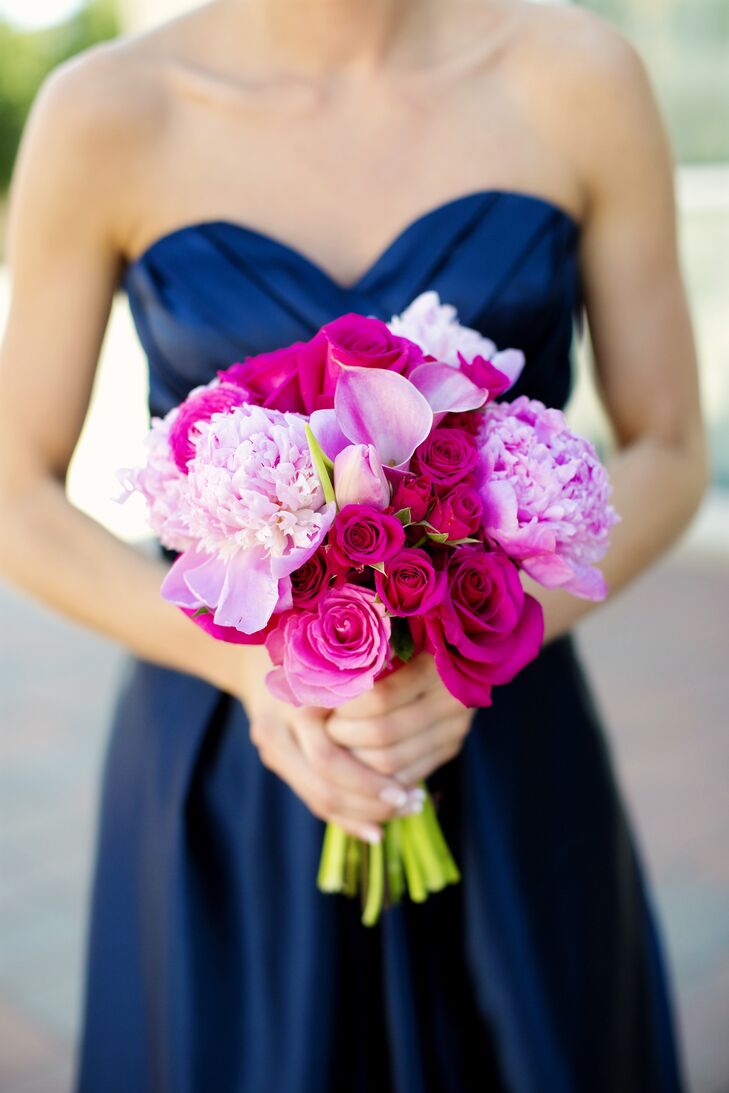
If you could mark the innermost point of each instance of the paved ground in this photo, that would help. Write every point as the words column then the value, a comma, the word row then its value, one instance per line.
column 657, row 656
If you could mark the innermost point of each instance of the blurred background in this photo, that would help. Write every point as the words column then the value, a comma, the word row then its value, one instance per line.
column 657, row 655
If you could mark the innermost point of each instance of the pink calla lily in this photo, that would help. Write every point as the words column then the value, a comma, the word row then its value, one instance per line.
column 324, row 426
column 374, row 406
column 447, row 389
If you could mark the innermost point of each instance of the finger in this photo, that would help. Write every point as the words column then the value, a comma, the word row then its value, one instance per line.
column 425, row 766
column 337, row 766
column 400, row 688
column 383, row 730
column 398, row 758
column 283, row 754
column 370, row 832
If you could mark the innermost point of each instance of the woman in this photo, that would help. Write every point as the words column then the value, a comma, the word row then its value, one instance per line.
column 247, row 172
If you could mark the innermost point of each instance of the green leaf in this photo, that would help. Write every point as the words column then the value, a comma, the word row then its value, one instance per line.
column 404, row 516
column 200, row 611
column 322, row 465
column 379, row 566
column 401, row 639
column 438, row 536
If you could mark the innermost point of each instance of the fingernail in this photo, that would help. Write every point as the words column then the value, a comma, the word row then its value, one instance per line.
column 413, row 806
column 372, row 834
column 393, row 795
column 417, row 794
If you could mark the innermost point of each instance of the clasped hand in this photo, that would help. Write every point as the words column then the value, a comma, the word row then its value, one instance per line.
column 359, row 765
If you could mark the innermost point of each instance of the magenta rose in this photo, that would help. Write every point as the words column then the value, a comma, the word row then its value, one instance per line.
column 414, row 492
column 330, row 656
column 469, row 421
column 458, row 513
column 446, row 456
column 290, row 378
column 411, row 584
column 484, row 373
column 362, row 535
column 363, row 341
column 486, row 629
column 309, row 582
column 198, row 407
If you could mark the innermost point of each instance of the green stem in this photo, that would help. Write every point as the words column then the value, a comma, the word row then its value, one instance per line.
column 423, row 846
column 375, row 884
column 437, row 838
column 351, row 865
column 393, row 860
column 330, row 877
column 416, row 886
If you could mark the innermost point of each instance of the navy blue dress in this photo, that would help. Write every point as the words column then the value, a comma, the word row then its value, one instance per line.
column 214, row 964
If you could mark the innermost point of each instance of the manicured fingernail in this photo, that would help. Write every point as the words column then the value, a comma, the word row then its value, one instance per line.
column 417, row 794
column 393, row 795
column 372, row 834
column 413, row 806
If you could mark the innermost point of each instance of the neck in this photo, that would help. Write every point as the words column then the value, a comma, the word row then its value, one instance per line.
column 320, row 37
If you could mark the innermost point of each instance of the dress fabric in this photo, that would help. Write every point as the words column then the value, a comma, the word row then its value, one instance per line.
column 213, row 963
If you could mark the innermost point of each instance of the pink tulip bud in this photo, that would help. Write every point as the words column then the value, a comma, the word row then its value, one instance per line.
column 359, row 478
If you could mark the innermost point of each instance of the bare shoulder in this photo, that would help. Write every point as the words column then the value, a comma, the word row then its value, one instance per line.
column 596, row 97
column 579, row 50
column 88, row 124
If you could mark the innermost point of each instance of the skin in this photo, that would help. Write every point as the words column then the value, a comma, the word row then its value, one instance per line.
column 391, row 108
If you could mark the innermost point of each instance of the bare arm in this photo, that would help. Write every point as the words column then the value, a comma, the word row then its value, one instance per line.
column 63, row 265
column 640, row 326
column 66, row 198
column 646, row 371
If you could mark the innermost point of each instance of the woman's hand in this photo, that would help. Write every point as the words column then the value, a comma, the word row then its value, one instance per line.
column 293, row 742
column 406, row 726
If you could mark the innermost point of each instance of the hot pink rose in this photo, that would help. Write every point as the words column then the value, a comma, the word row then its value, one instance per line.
column 469, row 421
column 330, row 656
column 363, row 341
column 199, row 407
column 414, row 492
column 361, row 535
column 309, row 581
column 446, row 456
column 486, row 629
column 411, row 584
column 483, row 373
column 289, row 378
column 458, row 513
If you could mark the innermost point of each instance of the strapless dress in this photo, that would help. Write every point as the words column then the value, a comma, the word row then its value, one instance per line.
column 213, row 963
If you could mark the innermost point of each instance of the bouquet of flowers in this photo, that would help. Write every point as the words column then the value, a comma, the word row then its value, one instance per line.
column 360, row 497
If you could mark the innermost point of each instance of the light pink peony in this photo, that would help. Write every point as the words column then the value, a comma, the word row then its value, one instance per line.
column 545, row 495
column 331, row 655
column 256, row 509
column 200, row 405
column 162, row 485
column 436, row 329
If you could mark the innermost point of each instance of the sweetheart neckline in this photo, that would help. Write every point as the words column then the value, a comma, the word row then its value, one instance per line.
column 241, row 228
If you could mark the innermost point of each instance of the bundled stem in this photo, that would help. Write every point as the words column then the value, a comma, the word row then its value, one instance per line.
column 413, row 853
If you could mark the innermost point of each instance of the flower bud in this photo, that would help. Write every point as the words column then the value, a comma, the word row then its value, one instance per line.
column 359, row 478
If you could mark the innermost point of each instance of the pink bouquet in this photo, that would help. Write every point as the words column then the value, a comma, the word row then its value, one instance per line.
column 360, row 497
